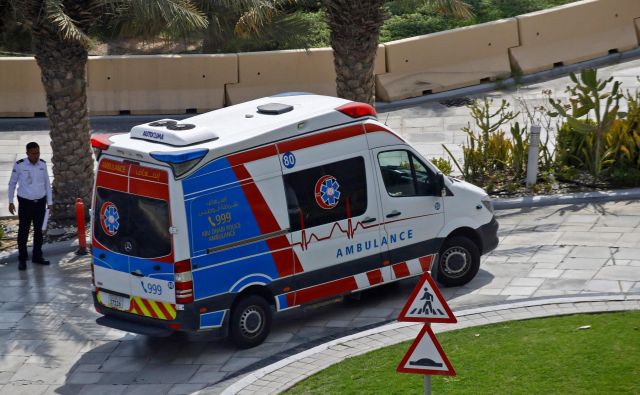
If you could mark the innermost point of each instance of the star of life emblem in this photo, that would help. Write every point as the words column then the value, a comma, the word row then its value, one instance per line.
column 109, row 218
column 327, row 192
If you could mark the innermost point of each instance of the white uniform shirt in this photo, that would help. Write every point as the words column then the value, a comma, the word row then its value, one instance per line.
column 32, row 180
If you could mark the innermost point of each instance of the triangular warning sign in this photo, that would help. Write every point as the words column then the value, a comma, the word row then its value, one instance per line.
column 426, row 304
column 426, row 356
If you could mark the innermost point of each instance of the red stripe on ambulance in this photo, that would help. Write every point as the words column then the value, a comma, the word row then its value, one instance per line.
column 321, row 138
column 375, row 277
column 326, row 290
column 401, row 269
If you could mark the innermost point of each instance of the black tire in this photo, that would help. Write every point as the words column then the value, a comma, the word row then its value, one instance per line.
column 458, row 262
column 250, row 321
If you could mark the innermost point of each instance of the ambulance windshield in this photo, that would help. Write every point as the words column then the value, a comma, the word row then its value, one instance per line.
column 131, row 225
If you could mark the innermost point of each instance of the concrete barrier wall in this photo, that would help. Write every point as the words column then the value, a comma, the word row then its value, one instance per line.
column 405, row 68
column 574, row 33
column 266, row 73
column 447, row 60
column 159, row 84
column 21, row 92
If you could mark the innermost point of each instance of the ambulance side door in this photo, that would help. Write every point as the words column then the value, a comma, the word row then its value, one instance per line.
column 412, row 210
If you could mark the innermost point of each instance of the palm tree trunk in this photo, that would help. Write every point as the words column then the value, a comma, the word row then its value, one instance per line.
column 63, row 69
column 355, row 30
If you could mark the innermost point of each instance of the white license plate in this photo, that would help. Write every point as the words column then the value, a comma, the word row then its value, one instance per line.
column 115, row 301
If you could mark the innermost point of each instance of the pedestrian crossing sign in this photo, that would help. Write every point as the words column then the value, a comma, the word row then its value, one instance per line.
column 426, row 304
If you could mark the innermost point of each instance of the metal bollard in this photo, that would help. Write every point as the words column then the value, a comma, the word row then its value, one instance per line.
column 532, row 159
column 82, row 233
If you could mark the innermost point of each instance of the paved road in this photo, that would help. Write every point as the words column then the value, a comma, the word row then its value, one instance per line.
column 50, row 344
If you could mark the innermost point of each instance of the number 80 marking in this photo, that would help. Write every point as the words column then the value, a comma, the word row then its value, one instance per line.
column 288, row 160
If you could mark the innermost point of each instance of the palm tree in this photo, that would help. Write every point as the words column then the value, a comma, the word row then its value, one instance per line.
column 60, row 34
column 235, row 25
column 355, row 31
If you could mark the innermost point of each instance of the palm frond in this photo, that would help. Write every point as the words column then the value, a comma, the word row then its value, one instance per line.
column 148, row 17
column 69, row 28
column 254, row 19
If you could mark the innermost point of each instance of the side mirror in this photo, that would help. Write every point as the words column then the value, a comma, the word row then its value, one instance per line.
column 439, row 185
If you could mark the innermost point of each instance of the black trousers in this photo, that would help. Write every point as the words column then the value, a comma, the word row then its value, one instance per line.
column 30, row 211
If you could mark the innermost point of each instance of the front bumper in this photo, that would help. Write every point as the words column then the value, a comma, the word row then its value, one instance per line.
column 489, row 235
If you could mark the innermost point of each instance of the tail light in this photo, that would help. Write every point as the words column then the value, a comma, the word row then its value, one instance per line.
column 184, row 282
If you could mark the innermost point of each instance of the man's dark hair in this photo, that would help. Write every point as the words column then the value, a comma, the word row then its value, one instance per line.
column 31, row 145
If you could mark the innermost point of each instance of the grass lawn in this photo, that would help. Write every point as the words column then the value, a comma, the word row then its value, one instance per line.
column 538, row 356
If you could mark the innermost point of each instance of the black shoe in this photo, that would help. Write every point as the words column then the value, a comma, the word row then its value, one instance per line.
column 22, row 265
column 41, row 261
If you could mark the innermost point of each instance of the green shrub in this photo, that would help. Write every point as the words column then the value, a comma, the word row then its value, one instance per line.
column 444, row 165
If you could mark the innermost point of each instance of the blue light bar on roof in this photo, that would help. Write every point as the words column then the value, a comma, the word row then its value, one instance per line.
column 181, row 161
column 179, row 156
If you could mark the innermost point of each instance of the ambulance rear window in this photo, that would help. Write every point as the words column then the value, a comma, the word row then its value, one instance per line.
column 132, row 225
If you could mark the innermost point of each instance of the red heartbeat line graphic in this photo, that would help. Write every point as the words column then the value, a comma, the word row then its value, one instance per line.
column 350, row 231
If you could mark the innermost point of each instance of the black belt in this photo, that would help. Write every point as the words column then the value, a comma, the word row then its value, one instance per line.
column 32, row 200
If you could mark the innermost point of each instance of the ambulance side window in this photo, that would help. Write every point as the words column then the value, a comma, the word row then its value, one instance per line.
column 404, row 175
column 326, row 193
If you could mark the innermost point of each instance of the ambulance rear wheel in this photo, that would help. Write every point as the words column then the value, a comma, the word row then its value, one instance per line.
column 458, row 262
column 250, row 321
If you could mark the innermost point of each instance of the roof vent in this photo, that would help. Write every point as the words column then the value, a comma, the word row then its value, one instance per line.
column 181, row 126
column 274, row 108
column 164, row 122
column 170, row 132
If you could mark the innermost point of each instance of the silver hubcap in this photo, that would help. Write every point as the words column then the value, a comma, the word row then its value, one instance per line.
column 456, row 262
column 251, row 322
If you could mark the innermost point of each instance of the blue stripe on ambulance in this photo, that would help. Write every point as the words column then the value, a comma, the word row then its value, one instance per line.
column 219, row 272
column 148, row 267
column 110, row 260
column 202, row 180
column 213, row 319
column 225, row 277
column 281, row 301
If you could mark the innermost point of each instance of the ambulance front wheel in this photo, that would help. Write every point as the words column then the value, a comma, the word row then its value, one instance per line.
column 458, row 262
column 250, row 321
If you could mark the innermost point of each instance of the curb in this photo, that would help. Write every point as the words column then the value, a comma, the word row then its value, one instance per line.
column 308, row 362
column 573, row 198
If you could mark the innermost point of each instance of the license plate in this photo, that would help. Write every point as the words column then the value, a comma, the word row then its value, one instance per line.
column 115, row 301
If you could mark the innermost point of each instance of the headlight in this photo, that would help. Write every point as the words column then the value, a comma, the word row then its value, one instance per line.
column 488, row 203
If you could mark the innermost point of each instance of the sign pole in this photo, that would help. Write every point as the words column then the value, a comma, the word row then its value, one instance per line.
column 427, row 384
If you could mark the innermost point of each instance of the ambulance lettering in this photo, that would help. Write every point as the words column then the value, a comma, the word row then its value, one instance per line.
column 367, row 245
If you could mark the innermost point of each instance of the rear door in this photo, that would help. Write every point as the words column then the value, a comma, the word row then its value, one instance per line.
column 133, row 254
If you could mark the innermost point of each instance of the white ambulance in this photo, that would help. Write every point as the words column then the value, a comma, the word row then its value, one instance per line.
column 217, row 221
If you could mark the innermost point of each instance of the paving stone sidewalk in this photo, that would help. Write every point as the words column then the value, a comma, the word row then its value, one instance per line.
column 50, row 344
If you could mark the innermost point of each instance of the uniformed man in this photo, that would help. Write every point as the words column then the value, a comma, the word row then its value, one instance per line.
column 34, row 195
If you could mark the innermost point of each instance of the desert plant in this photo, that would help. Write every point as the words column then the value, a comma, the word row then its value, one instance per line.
column 591, row 111
column 487, row 149
column 444, row 165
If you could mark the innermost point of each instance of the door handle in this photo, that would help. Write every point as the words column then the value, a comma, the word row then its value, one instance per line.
column 394, row 213
column 137, row 274
column 367, row 220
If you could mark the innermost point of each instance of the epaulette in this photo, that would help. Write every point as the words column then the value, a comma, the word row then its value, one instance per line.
column 20, row 161
column 42, row 161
